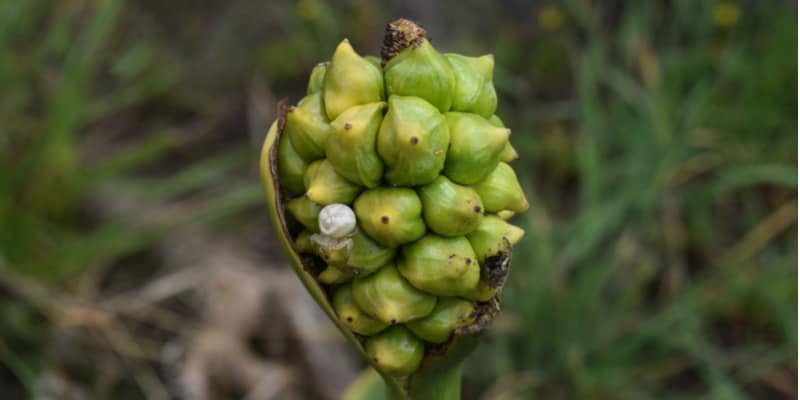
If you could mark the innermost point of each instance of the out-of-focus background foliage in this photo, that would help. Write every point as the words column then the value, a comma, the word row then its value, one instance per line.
column 658, row 148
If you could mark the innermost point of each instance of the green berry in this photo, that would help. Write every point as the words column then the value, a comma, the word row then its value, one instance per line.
column 304, row 211
column 387, row 296
column 440, row 265
column 395, row 351
column 390, row 216
column 475, row 147
column 350, row 81
column 500, row 190
column 474, row 90
column 451, row 313
column 324, row 186
column 351, row 149
column 421, row 71
column 351, row 316
column 307, row 127
column 450, row 209
column 291, row 167
column 412, row 141
column 493, row 237
column 317, row 78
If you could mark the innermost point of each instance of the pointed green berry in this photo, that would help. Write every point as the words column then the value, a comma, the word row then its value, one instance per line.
column 390, row 216
column 304, row 211
column 440, row 265
column 351, row 149
column 505, row 215
column 387, row 296
column 509, row 153
column 291, row 167
column 324, row 186
column 412, row 141
column 451, row 313
column 500, row 190
column 358, row 254
column 474, row 89
column 351, row 316
column 367, row 255
column 332, row 275
column 450, row 209
column 350, row 80
column 307, row 127
column 317, row 77
column 493, row 237
column 422, row 72
column 396, row 351
column 475, row 147
column 303, row 242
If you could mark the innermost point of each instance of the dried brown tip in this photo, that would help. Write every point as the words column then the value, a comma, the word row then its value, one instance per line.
column 400, row 34
column 283, row 108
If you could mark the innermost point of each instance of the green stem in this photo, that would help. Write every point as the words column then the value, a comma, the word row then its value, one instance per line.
column 437, row 384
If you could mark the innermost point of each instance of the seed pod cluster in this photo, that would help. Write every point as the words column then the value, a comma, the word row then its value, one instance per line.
column 397, row 183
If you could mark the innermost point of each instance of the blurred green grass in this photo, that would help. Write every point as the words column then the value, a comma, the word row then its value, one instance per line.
column 658, row 148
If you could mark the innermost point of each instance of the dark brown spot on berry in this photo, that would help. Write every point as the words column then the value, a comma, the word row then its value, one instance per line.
column 477, row 209
column 469, row 261
column 451, row 255
column 347, row 125
column 393, row 321
column 414, row 140
column 349, row 319
column 385, row 219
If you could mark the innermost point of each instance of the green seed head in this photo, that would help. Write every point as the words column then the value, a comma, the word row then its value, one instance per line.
column 500, row 190
column 307, row 127
column 422, row 72
column 351, row 316
column 317, row 77
column 350, row 80
column 493, row 237
column 396, row 168
column 390, row 216
column 395, row 351
column 451, row 313
column 474, row 90
column 304, row 211
column 387, row 296
column 324, row 186
column 475, row 147
column 440, row 265
column 412, row 141
column 450, row 209
column 351, row 148
column 291, row 167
